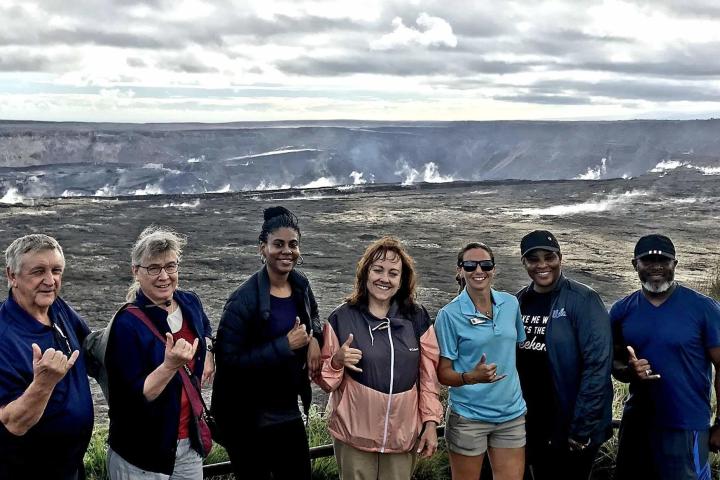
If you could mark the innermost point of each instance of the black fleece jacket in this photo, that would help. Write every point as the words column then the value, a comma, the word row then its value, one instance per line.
column 254, row 371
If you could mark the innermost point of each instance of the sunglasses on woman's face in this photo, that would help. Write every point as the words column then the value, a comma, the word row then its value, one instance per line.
column 471, row 265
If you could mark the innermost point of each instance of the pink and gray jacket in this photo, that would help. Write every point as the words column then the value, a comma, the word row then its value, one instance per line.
column 384, row 407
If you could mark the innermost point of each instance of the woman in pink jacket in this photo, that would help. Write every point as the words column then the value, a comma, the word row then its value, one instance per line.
column 379, row 361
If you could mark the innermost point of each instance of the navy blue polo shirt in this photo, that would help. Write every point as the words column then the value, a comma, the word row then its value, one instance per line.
column 674, row 338
column 57, row 443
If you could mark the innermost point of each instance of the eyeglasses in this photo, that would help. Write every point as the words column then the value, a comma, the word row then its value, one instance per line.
column 61, row 339
column 154, row 270
column 471, row 265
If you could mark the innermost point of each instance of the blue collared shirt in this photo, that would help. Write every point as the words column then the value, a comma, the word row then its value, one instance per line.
column 464, row 335
column 55, row 445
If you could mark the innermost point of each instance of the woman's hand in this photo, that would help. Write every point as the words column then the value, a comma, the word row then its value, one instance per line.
column 178, row 353
column 313, row 358
column 347, row 356
column 483, row 372
column 428, row 441
column 208, row 370
column 298, row 336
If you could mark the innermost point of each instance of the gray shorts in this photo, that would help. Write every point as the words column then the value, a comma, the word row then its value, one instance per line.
column 473, row 437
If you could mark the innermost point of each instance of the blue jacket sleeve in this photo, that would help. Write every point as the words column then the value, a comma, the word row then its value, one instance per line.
column 130, row 357
column 594, row 396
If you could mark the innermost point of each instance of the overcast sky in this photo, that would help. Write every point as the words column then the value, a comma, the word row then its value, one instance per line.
column 231, row 60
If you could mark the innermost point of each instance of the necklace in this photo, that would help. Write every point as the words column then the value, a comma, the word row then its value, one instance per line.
column 487, row 312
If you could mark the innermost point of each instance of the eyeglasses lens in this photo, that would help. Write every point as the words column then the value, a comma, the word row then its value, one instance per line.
column 155, row 270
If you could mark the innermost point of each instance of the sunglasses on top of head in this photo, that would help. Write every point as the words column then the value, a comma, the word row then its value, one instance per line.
column 471, row 265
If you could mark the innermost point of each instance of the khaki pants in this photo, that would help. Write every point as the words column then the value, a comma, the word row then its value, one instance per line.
column 354, row 464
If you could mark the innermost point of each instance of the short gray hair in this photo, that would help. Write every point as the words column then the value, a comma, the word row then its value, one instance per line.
column 35, row 242
column 153, row 242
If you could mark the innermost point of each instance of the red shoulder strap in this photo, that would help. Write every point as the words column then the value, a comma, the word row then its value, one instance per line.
column 196, row 401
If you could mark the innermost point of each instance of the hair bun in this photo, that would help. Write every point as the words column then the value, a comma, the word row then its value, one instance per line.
column 273, row 212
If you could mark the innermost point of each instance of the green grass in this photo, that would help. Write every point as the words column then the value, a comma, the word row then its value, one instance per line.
column 96, row 453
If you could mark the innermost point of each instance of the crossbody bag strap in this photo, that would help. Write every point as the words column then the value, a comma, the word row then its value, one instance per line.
column 191, row 389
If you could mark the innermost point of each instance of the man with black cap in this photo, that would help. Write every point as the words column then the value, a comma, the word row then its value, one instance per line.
column 666, row 337
column 564, row 366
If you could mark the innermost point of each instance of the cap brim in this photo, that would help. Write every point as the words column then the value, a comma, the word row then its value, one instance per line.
column 548, row 248
column 655, row 252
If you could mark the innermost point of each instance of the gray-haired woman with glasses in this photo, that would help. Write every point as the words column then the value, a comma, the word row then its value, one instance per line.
column 152, row 429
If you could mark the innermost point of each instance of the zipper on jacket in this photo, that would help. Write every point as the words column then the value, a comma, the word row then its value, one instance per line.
column 390, row 393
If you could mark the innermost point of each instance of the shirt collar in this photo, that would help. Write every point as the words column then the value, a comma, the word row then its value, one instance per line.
column 467, row 307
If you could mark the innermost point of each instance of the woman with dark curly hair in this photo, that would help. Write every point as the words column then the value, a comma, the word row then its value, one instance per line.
column 379, row 362
column 268, row 344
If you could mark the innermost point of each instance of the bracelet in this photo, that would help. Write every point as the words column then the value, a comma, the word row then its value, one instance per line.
column 462, row 376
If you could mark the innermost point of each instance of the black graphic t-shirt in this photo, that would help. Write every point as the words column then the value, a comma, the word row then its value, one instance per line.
column 533, row 366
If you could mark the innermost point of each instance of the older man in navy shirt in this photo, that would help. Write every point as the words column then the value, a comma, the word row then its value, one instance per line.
column 46, row 413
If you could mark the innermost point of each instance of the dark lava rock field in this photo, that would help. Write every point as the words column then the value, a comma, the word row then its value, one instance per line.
column 596, row 222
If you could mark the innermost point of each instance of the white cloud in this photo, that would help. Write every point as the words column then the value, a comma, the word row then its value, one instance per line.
column 431, row 32
column 225, row 60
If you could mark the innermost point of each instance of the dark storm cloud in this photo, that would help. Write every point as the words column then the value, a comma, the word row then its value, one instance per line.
column 709, row 9
column 661, row 69
column 285, row 25
column 402, row 64
column 566, row 43
column 185, row 64
column 23, row 63
column 545, row 99
column 136, row 62
column 546, row 91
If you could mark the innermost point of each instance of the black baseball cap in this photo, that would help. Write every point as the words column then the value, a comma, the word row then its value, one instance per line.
column 655, row 245
column 538, row 239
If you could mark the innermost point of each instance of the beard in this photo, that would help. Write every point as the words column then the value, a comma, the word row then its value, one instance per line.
column 658, row 287
column 655, row 286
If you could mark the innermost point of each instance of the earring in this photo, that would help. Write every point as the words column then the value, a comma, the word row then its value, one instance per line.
column 300, row 260
column 263, row 259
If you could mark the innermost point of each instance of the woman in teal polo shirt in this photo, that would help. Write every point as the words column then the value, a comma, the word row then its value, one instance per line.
column 478, row 332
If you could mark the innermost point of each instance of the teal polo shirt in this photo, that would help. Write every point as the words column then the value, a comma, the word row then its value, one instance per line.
column 464, row 334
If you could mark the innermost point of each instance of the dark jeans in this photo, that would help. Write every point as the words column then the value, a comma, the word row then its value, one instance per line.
column 551, row 462
column 277, row 452
column 655, row 453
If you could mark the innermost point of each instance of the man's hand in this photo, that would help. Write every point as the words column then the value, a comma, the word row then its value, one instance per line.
column 483, row 372
column 428, row 441
column 178, row 353
column 313, row 358
column 576, row 446
column 50, row 367
column 640, row 367
column 347, row 356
